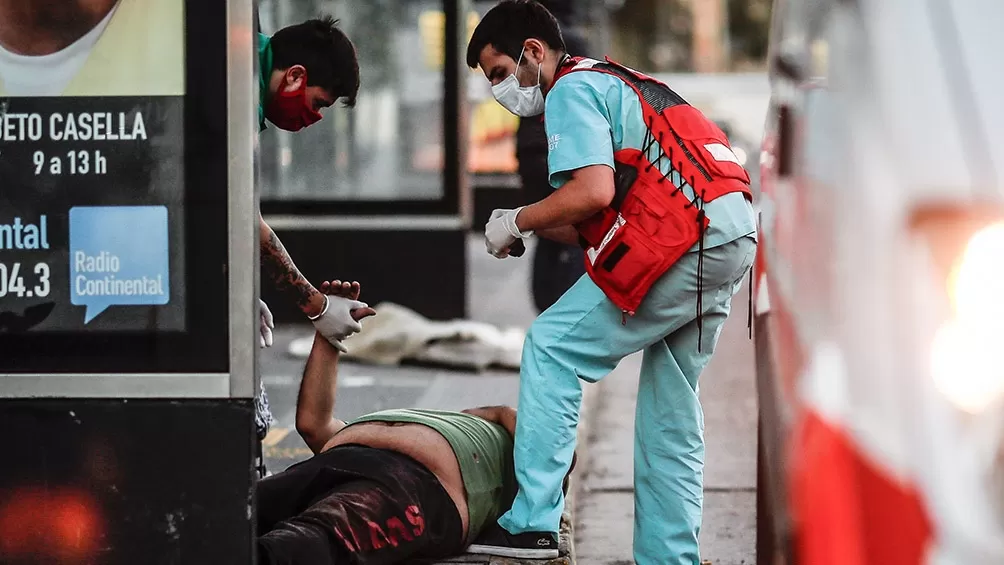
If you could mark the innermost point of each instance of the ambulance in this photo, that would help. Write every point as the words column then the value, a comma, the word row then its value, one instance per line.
column 879, row 285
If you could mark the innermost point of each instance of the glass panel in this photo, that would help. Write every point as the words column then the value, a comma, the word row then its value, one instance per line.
column 390, row 146
column 492, row 138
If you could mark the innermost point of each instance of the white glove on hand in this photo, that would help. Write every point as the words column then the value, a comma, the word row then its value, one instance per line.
column 335, row 322
column 266, row 325
column 501, row 232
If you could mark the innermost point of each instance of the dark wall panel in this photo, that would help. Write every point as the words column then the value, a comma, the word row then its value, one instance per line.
column 422, row 270
column 126, row 482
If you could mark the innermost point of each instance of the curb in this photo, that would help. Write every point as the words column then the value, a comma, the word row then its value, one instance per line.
column 566, row 535
column 587, row 416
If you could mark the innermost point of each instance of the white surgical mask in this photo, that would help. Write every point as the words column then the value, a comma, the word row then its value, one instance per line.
column 524, row 101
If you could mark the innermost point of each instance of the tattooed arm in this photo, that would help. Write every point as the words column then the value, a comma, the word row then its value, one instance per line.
column 279, row 270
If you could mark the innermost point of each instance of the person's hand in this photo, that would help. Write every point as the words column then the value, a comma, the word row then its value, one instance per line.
column 501, row 232
column 267, row 325
column 335, row 323
column 345, row 297
column 348, row 290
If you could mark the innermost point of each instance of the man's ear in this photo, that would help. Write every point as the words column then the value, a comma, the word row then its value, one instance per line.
column 294, row 78
column 534, row 49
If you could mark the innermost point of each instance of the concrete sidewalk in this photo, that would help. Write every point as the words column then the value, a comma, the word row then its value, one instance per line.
column 604, row 517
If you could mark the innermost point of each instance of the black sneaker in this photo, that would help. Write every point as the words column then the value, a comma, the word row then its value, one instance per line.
column 528, row 545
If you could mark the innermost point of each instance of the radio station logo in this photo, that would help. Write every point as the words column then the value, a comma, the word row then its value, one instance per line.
column 118, row 257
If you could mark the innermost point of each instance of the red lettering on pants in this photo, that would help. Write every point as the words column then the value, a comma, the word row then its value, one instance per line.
column 414, row 516
column 378, row 538
column 347, row 543
column 394, row 527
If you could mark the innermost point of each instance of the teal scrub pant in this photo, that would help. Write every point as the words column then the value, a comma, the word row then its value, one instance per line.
column 582, row 337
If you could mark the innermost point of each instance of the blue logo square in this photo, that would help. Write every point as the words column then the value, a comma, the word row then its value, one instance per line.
column 118, row 257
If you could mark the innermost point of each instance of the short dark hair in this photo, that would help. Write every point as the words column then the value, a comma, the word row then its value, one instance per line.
column 325, row 51
column 509, row 24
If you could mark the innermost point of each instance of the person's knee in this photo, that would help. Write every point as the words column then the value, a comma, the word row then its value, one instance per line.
column 553, row 353
column 537, row 336
column 540, row 344
column 543, row 348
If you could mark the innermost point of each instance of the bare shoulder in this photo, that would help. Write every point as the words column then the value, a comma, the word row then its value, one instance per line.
column 504, row 416
column 338, row 425
column 491, row 413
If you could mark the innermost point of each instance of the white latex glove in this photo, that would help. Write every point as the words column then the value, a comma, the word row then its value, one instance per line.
column 266, row 325
column 335, row 322
column 501, row 232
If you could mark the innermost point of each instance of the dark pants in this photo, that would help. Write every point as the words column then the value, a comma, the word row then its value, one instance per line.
column 556, row 267
column 355, row 504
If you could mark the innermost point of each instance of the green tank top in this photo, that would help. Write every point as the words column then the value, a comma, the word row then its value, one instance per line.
column 484, row 451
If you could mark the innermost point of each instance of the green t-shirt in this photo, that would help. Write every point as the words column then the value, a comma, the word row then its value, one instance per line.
column 484, row 452
column 264, row 70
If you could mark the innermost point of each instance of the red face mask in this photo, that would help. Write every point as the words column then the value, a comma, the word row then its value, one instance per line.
column 290, row 111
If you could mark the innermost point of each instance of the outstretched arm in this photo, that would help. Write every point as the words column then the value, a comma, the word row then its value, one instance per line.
column 315, row 405
column 279, row 270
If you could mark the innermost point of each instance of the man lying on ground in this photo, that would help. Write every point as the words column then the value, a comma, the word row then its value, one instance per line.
column 387, row 487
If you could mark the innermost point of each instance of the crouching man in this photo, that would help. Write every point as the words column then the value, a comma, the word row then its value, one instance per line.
column 387, row 487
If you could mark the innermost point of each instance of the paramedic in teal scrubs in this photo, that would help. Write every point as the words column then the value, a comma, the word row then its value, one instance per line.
column 588, row 117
